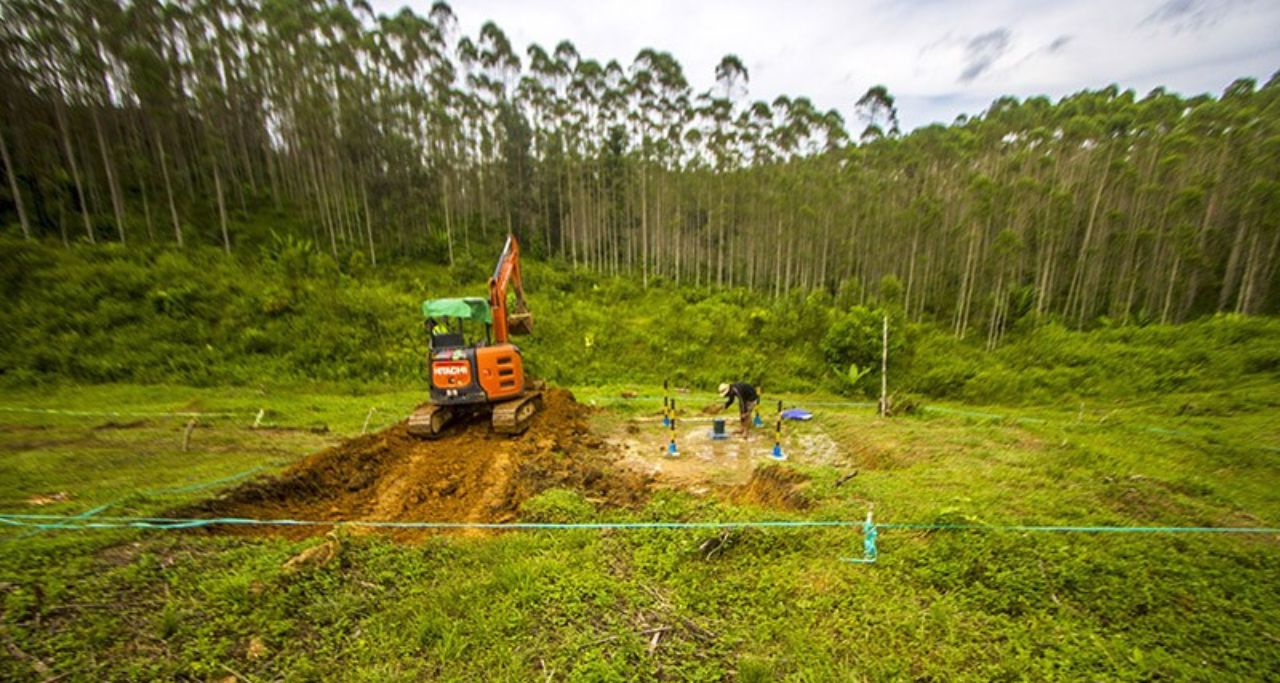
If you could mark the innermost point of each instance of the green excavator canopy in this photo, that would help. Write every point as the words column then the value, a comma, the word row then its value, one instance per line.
column 469, row 308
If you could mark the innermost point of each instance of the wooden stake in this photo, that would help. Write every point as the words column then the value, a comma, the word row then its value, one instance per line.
column 666, row 403
column 365, row 428
column 777, row 434
column 672, row 450
column 186, row 436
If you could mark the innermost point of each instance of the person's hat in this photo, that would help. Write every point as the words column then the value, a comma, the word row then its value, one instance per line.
column 724, row 389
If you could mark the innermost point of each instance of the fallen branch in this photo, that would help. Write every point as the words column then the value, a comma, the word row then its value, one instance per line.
column 82, row 605
column 653, row 642
column 702, row 633
column 656, row 631
column 36, row 663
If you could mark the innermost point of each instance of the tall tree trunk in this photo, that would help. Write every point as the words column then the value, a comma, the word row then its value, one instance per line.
column 1075, row 294
column 1229, row 277
column 644, row 225
column 117, row 204
column 368, row 224
column 168, row 189
column 222, row 208
column 13, row 187
column 146, row 211
column 61, row 116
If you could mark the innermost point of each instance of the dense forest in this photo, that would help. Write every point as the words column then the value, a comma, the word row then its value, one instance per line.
column 394, row 137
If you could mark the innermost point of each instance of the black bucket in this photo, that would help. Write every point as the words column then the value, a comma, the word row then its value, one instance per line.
column 717, row 428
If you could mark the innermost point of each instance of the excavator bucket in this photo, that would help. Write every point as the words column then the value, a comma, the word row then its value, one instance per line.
column 520, row 323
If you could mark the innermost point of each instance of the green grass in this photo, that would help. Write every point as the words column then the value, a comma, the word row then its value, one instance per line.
column 584, row 605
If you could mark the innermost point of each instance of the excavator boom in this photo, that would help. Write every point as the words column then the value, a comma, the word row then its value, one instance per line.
column 516, row 319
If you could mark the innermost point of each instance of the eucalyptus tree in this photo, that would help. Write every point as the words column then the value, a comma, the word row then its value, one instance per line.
column 879, row 112
column 722, row 144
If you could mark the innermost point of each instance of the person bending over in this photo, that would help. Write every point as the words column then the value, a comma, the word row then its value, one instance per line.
column 747, row 398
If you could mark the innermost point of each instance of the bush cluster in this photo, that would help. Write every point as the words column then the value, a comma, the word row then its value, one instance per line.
column 293, row 313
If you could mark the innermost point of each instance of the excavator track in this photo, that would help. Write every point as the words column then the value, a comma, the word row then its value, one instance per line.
column 514, row 416
column 429, row 421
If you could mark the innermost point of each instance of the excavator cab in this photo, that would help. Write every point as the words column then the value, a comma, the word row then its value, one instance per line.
column 466, row 367
column 451, row 322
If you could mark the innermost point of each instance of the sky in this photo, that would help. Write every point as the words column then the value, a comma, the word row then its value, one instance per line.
column 938, row 58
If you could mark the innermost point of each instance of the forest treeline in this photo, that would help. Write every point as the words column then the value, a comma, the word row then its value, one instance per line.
column 395, row 136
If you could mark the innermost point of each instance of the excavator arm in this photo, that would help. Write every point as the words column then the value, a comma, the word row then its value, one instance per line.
column 506, row 277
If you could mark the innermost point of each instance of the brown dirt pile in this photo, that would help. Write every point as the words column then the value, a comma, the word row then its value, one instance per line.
column 775, row 486
column 469, row 475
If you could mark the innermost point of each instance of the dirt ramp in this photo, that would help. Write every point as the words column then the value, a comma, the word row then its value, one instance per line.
column 469, row 475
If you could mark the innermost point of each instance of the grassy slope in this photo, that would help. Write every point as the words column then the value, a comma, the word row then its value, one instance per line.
column 105, row 314
column 578, row 605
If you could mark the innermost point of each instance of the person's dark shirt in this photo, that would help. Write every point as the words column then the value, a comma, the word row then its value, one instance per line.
column 743, row 392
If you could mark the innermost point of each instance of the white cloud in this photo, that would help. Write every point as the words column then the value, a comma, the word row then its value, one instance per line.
column 939, row 58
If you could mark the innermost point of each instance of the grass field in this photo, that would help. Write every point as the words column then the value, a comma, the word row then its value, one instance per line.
column 591, row 605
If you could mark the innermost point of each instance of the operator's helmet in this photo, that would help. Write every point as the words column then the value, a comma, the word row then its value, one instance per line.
column 724, row 389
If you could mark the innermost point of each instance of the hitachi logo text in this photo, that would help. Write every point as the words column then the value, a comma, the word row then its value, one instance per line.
column 448, row 370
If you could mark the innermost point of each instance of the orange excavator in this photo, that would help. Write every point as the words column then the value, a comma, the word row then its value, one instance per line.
column 474, row 372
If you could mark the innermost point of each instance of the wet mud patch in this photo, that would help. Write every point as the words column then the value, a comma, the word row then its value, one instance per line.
column 704, row 464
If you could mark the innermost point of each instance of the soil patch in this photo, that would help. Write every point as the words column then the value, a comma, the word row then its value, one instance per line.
column 23, row 428
column 112, row 424
column 775, row 486
column 469, row 475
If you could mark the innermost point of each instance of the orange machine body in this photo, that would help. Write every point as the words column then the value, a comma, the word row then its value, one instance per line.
column 501, row 370
column 476, row 374
column 480, row 373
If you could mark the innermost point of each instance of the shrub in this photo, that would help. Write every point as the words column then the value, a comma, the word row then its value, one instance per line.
column 560, row 506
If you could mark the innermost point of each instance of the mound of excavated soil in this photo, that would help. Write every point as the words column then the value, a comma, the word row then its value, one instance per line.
column 469, row 475
column 775, row 486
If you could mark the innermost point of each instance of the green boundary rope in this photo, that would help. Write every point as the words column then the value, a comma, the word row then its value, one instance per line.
column 37, row 523
column 870, row 531
column 110, row 413
column 620, row 399
column 712, row 398
column 201, row 485
column 972, row 414
column 70, row 519
column 107, row 521
column 1089, row 529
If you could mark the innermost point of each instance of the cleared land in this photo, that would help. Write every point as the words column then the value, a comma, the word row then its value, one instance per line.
column 753, row 604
